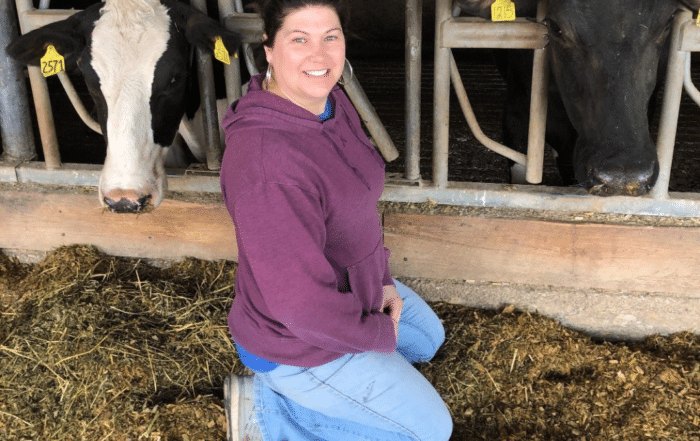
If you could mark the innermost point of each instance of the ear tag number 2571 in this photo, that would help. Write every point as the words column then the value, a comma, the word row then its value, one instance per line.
column 52, row 62
column 503, row 10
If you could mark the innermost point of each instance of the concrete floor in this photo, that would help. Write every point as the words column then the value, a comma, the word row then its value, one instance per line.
column 613, row 315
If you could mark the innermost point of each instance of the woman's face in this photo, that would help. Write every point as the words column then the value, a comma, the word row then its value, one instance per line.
column 307, row 56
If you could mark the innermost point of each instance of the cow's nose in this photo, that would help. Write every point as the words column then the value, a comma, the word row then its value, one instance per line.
column 121, row 201
column 615, row 179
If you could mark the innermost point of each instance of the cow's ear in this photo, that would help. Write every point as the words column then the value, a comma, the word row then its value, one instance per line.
column 64, row 35
column 201, row 30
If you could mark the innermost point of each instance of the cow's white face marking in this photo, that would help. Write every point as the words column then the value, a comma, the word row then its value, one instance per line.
column 127, row 42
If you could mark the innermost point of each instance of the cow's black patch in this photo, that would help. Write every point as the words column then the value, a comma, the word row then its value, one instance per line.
column 171, row 83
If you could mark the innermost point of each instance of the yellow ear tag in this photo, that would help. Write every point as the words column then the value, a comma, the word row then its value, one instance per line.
column 220, row 52
column 503, row 10
column 697, row 19
column 52, row 62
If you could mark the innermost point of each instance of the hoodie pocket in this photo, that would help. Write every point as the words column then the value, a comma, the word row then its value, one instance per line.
column 366, row 277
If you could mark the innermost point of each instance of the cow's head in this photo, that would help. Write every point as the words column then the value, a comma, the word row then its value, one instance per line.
column 607, row 58
column 136, row 57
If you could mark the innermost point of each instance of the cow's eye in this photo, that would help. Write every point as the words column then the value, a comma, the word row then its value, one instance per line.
column 175, row 82
column 554, row 29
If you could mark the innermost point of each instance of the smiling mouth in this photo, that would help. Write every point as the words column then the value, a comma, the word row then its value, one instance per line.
column 318, row 73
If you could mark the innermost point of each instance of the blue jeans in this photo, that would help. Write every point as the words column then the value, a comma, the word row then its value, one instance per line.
column 366, row 396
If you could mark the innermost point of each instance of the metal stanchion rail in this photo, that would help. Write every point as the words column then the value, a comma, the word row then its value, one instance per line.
column 470, row 32
column 210, row 119
column 685, row 38
column 413, row 58
column 453, row 32
column 17, row 135
column 40, row 90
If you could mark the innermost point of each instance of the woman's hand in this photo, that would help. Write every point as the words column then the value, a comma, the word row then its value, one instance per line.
column 392, row 304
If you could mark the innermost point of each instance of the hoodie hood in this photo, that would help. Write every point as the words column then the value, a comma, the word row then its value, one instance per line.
column 259, row 102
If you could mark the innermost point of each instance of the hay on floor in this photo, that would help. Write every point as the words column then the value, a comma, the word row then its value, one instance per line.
column 94, row 347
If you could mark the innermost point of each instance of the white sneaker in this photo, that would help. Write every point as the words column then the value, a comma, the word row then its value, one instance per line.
column 241, row 424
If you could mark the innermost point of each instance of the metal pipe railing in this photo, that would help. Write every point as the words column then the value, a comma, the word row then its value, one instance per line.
column 473, row 32
column 441, row 94
column 232, row 71
column 688, row 84
column 78, row 104
column 473, row 124
column 247, row 47
column 15, row 123
column 248, row 25
column 40, row 93
column 479, row 33
column 686, row 38
column 368, row 115
column 538, row 108
column 210, row 119
column 671, row 104
column 413, row 58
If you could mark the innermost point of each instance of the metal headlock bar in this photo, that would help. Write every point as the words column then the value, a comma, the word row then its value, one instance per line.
column 233, row 17
column 451, row 32
column 15, row 122
column 462, row 32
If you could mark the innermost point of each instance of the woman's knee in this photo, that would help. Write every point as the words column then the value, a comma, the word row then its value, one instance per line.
column 437, row 425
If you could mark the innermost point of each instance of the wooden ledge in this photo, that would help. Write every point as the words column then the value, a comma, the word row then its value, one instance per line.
column 511, row 250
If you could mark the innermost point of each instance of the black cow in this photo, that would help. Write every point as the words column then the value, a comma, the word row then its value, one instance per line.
column 607, row 58
column 137, row 59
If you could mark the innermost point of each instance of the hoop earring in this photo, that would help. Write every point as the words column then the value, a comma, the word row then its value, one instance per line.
column 342, row 81
column 268, row 76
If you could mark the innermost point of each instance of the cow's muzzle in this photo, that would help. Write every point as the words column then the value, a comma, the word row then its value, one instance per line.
column 613, row 179
column 127, row 202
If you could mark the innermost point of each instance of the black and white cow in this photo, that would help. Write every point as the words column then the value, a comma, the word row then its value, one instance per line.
column 607, row 58
column 137, row 60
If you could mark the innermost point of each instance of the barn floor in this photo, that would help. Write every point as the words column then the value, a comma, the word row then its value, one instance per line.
column 104, row 348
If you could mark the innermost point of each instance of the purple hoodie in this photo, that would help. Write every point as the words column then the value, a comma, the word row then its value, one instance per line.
column 303, row 195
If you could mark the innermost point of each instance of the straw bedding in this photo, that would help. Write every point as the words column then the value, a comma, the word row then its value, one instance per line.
column 94, row 347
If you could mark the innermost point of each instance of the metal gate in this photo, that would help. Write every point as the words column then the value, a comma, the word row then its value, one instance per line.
column 196, row 178
column 451, row 32
column 461, row 32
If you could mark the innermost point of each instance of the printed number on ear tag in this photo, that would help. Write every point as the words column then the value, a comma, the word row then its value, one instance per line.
column 52, row 62
column 220, row 52
column 503, row 10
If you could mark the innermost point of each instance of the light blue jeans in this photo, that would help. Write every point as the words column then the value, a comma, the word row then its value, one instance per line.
column 367, row 396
